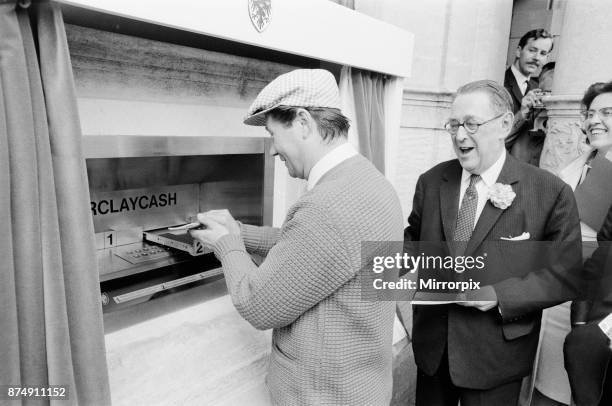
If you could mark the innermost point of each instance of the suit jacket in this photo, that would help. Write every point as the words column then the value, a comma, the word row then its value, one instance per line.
column 522, row 143
column 586, row 349
column 594, row 195
column 515, row 90
column 487, row 349
column 586, row 355
column 594, row 200
column 598, row 276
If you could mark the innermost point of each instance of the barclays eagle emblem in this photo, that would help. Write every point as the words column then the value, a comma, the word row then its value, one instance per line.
column 260, row 12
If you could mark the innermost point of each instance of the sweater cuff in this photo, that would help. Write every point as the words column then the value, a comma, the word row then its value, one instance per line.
column 227, row 244
column 249, row 233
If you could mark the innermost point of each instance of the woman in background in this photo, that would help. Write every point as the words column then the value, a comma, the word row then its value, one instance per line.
column 590, row 176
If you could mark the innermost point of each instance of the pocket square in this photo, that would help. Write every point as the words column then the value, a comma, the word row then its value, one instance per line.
column 522, row 237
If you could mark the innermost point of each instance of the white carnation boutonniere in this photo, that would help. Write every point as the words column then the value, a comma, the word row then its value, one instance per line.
column 501, row 196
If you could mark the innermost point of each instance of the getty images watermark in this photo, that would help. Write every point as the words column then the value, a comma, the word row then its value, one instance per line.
column 451, row 271
column 411, row 263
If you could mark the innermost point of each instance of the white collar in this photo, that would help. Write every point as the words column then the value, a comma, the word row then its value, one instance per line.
column 330, row 160
column 489, row 177
column 518, row 75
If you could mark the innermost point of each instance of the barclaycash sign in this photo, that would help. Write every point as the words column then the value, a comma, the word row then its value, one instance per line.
column 124, row 204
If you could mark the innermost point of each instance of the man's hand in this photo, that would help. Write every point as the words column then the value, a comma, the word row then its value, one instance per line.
column 483, row 299
column 532, row 99
column 218, row 223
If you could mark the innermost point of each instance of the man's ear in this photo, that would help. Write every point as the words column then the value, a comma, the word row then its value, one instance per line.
column 305, row 121
column 517, row 53
column 507, row 120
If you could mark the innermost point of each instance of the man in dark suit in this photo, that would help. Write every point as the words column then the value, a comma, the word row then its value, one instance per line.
column 477, row 351
column 531, row 55
column 587, row 348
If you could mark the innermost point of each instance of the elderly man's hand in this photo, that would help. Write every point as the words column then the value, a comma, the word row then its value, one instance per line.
column 483, row 299
column 218, row 223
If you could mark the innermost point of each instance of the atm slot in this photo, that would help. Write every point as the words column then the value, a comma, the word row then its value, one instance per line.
column 180, row 240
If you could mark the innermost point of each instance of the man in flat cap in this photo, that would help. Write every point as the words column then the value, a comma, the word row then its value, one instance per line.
column 329, row 345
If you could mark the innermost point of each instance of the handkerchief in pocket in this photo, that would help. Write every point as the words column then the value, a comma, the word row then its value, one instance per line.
column 522, row 237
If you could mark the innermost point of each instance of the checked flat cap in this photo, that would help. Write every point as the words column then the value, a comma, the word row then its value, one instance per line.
column 298, row 88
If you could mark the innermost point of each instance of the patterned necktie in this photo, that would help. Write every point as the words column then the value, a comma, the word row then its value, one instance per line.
column 467, row 212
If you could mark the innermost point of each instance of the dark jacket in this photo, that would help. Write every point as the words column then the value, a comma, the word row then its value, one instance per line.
column 515, row 90
column 487, row 349
column 523, row 143
column 586, row 349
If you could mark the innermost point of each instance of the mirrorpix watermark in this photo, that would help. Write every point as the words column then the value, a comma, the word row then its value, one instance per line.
column 443, row 271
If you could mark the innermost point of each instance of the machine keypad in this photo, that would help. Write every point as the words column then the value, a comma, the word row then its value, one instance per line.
column 144, row 254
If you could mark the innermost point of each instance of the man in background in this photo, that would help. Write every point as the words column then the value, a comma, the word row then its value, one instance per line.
column 531, row 55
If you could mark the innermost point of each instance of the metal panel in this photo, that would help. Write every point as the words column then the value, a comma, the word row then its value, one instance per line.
column 125, row 146
column 268, row 185
column 140, row 183
column 298, row 27
column 165, row 286
column 132, row 208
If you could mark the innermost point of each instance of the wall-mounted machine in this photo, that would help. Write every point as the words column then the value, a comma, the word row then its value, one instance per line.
column 142, row 185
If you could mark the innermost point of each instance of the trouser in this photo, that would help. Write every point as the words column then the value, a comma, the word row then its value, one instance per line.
column 439, row 390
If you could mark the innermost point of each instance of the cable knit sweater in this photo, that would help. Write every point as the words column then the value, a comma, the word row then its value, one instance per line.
column 328, row 345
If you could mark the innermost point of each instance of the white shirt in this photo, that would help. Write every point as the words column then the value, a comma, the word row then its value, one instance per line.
column 574, row 174
column 489, row 177
column 606, row 326
column 520, row 79
column 330, row 160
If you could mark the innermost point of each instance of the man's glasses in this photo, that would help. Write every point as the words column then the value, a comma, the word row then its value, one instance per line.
column 471, row 125
column 603, row 113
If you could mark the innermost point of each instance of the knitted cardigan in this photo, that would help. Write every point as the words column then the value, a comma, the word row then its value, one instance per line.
column 329, row 346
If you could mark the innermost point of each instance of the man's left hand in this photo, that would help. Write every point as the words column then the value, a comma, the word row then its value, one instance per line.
column 483, row 299
column 218, row 223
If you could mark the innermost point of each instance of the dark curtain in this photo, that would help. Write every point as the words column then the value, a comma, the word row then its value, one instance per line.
column 51, row 330
column 368, row 91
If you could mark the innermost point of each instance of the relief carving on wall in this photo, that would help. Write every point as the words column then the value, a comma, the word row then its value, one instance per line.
column 565, row 141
